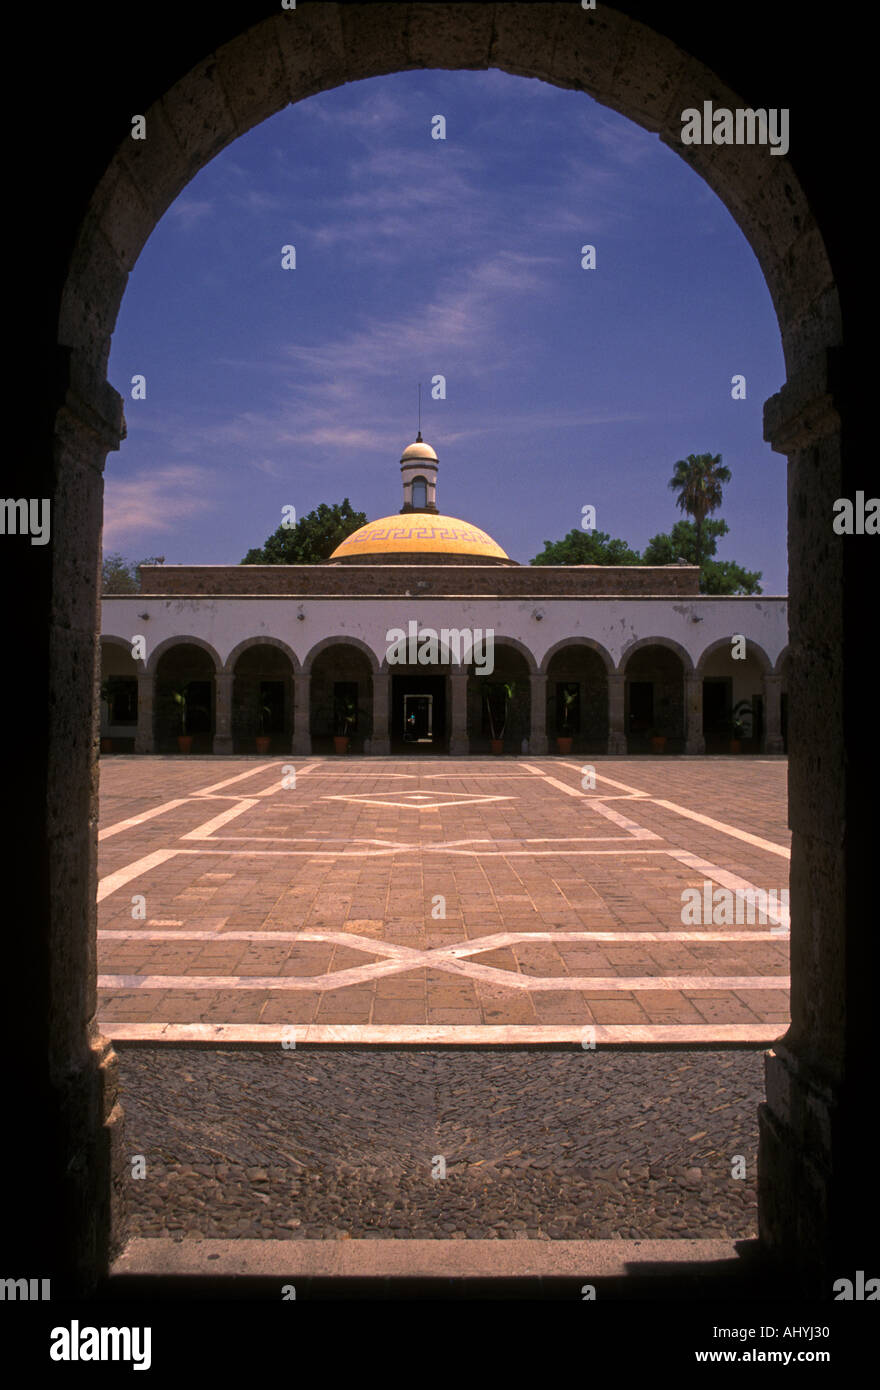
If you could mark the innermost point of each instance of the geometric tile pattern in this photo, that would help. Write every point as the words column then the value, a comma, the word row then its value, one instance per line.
column 516, row 910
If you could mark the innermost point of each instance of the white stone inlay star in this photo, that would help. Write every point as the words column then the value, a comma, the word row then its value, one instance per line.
column 417, row 801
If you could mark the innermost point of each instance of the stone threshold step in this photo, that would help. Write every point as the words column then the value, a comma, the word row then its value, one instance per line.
column 758, row 1035
column 288, row 1260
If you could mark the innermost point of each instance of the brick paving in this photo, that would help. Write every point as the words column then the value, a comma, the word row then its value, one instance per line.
column 454, row 894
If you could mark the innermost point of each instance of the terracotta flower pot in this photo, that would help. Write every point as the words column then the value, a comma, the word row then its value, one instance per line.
column 106, row 745
column 340, row 743
column 736, row 745
column 263, row 741
column 497, row 745
column 658, row 744
column 185, row 743
column 563, row 743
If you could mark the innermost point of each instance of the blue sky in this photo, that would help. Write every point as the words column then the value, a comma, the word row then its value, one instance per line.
column 416, row 257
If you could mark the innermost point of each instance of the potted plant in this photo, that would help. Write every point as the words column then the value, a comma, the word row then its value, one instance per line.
column 184, row 740
column 264, row 739
column 565, row 739
column 345, row 716
column 740, row 724
column 503, row 693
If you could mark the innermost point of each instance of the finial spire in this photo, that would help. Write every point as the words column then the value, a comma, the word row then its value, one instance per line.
column 419, row 439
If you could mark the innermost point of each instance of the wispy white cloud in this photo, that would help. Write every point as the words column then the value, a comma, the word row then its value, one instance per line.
column 158, row 501
column 376, row 107
column 190, row 211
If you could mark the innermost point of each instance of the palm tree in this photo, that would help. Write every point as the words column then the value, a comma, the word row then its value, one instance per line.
column 698, row 479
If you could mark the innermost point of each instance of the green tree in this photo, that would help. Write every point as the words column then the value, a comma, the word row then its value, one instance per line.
column 716, row 576
column 311, row 540
column 697, row 480
column 120, row 576
column 726, row 577
column 680, row 543
column 586, row 548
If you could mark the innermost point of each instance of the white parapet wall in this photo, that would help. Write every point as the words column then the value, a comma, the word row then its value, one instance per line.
column 694, row 625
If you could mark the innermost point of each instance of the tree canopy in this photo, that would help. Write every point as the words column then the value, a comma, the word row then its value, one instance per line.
column 120, row 576
column 697, row 480
column 716, row 576
column 587, row 548
column 311, row 540
column 695, row 542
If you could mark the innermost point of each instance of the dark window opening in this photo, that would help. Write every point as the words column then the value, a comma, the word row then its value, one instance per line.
column 641, row 706
column 123, row 699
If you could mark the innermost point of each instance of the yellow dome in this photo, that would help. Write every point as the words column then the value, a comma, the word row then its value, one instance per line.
column 419, row 533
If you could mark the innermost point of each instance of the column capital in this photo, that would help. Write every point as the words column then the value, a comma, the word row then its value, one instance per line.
column 88, row 399
column 806, row 408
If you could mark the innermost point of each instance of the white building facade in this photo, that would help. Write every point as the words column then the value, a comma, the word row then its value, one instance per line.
column 614, row 660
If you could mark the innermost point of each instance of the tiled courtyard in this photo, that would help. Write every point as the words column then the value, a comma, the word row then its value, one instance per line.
column 439, row 900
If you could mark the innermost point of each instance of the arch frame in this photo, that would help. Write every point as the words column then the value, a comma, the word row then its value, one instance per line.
column 248, row 643
column 589, row 643
column 326, row 643
column 125, row 643
column 765, row 665
column 168, row 643
column 668, row 643
column 627, row 67
column 517, row 645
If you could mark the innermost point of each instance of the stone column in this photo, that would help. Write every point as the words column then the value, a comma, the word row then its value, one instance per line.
column 772, row 713
column 302, row 739
column 616, row 703
column 458, row 693
column 76, row 1180
column 538, row 722
column 223, row 712
column 144, row 735
column 380, row 742
column 815, row 1180
column 694, row 742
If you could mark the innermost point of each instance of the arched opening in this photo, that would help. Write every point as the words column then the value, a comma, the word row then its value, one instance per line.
column 184, row 699
column 651, row 79
column 500, row 702
column 262, row 700
column 734, row 699
column 340, row 698
column 419, row 703
column 577, row 699
column 119, row 697
column 654, row 700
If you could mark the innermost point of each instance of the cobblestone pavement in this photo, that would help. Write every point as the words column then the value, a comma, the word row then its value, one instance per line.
column 365, row 900
column 336, row 1143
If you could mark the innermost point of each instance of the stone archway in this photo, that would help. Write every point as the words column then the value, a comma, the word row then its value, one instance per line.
column 576, row 702
column 739, row 690
column 648, row 78
column 184, row 668
column 340, row 676
column 262, row 696
column 119, row 695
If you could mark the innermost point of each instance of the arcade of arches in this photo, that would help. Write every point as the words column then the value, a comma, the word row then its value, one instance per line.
column 262, row 693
